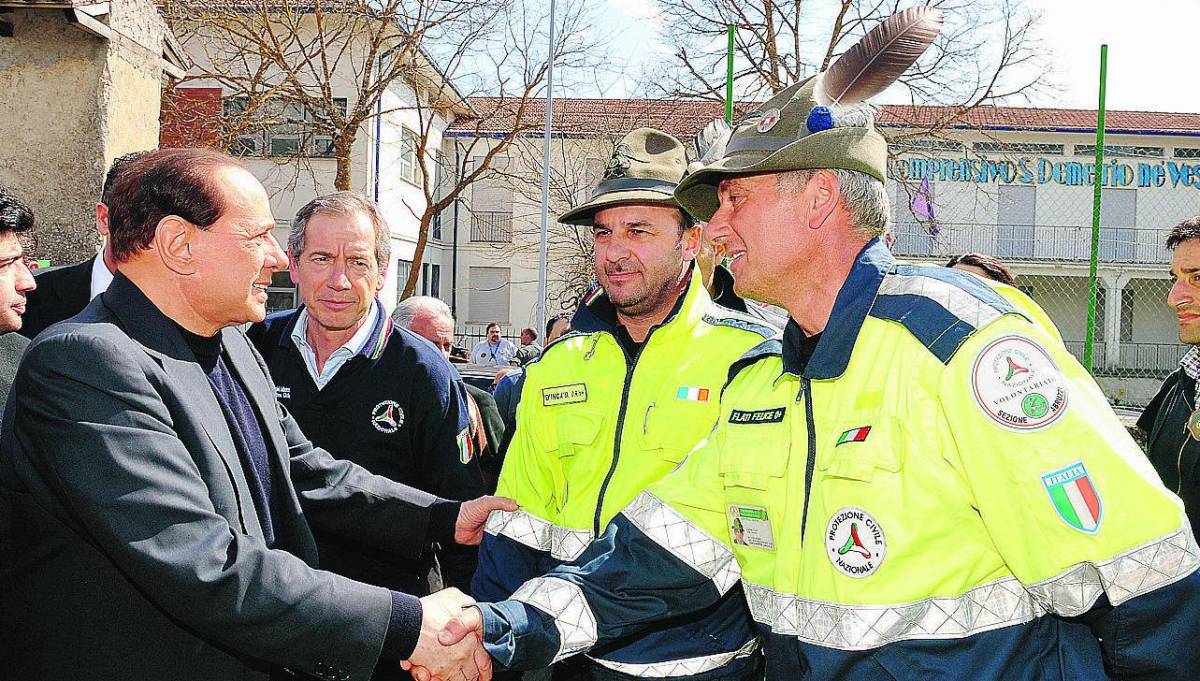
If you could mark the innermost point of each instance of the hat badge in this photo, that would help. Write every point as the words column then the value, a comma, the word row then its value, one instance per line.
column 769, row 118
column 619, row 164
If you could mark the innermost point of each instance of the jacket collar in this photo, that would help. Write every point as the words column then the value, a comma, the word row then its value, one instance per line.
column 143, row 321
column 850, row 308
column 381, row 330
column 598, row 314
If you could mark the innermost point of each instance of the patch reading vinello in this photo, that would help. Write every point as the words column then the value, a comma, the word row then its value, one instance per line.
column 564, row 394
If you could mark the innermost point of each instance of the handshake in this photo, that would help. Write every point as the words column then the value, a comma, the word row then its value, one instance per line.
column 450, row 646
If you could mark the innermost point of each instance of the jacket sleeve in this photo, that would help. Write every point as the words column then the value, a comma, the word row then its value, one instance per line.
column 91, row 420
column 517, row 545
column 1069, row 499
column 664, row 555
column 448, row 455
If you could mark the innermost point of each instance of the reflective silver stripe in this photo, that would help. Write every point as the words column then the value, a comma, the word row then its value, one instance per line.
column 562, row 543
column 1145, row 568
column 684, row 540
column 565, row 602
column 860, row 627
column 1001, row 603
column 956, row 301
column 686, row 667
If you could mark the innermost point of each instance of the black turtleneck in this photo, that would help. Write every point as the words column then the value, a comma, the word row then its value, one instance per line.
column 243, row 423
column 798, row 348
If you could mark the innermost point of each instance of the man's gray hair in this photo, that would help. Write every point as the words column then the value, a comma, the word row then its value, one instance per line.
column 408, row 308
column 865, row 196
column 343, row 203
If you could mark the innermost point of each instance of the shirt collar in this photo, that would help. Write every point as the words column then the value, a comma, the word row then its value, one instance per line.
column 358, row 343
column 1191, row 363
column 850, row 308
column 101, row 277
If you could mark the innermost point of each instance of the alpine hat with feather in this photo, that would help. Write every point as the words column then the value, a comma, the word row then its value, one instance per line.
column 796, row 129
column 645, row 167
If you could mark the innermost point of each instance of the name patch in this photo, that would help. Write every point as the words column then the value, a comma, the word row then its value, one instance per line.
column 759, row 416
column 564, row 394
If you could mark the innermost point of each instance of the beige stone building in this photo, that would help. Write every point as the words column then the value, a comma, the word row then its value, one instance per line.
column 81, row 84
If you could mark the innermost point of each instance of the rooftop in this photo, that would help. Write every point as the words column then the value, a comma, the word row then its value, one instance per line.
column 684, row 118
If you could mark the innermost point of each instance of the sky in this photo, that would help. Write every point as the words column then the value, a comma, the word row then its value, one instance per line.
column 1152, row 50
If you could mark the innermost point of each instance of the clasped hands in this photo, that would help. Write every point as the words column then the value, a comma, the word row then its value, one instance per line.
column 450, row 646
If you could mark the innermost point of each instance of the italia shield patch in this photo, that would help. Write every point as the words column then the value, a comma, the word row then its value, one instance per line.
column 1075, row 497
column 466, row 446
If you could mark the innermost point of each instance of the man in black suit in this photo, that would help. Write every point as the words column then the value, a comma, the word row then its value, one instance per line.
column 63, row 292
column 16, row 221
column 155, row 499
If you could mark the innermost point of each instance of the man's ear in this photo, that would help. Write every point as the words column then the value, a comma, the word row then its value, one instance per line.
column 173, row 239
column 823, row 196
column 102, row 219
column 292, row 267
column 693, row 239
column 382, row 278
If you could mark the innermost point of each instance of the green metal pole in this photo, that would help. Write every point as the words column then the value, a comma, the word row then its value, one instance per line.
column 729, row 77
column 1097, row 186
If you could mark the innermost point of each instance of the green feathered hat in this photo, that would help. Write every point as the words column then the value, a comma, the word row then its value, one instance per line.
column 797, row 129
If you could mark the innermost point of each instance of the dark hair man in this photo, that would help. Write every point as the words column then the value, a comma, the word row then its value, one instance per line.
column 912, row 482
column 986, row 266
column 617, row 404
column 1171, row 421
column 366, row 390
column 493, row 350
column 63, row 292
column 16, row 282
column 160, row 499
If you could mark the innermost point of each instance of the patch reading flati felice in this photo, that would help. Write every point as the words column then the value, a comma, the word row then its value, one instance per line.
column 564, row 394
column 773, row 415
column 1017, row 385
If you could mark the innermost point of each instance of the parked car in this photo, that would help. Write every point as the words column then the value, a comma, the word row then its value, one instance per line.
column 482, row 376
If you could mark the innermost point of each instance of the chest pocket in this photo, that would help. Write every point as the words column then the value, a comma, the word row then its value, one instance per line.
column 861, row 449
column 672, row 428
column 576, row 433
column 753, row 455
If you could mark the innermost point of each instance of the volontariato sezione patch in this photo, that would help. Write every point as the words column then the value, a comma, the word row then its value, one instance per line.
column 1017, row 385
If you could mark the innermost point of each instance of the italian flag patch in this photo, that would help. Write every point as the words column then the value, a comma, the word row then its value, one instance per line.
column 690, row 393
column 466, row 446
column 1075, row 497
column 854, row 435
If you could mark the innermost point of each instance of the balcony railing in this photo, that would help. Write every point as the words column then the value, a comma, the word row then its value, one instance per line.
column 491, row 226
column 1136, row 360
column 1033, row 242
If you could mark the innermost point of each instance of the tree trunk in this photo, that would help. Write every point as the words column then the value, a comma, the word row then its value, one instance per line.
column 410, row 286
column 342, row 146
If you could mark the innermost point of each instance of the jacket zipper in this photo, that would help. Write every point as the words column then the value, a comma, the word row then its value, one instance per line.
column 630, row 365
column 1179, row 456
column 806, row 394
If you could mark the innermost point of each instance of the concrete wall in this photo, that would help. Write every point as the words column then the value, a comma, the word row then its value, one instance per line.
column 73, row 102
column 52, row 149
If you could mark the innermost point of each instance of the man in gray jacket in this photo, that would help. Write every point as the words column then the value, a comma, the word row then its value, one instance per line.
column 155, row 499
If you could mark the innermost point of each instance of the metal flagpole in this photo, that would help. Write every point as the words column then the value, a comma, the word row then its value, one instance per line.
column 729, row 76
column 541, row 304
column 1097, row 187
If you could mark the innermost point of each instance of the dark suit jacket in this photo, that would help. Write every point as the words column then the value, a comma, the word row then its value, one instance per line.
column 130, row 547
column 61, row 293
column 12, row 346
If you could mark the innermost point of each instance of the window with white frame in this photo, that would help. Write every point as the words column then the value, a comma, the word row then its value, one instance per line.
column 489, row 294
column 406, row 164
column 279, row 128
